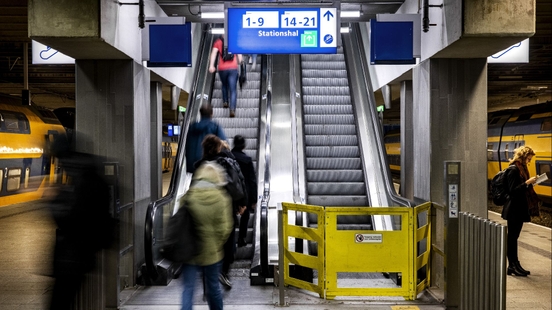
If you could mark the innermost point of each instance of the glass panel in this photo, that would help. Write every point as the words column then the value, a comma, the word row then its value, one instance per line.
column 14, row 179
column 11, row 121
column 490, row 151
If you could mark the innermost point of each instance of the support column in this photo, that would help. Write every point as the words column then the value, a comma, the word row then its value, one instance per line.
column 113, row 111
column 407, row 148
column 450, row 123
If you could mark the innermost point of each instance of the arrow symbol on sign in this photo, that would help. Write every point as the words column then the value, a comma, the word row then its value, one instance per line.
column 328, row 14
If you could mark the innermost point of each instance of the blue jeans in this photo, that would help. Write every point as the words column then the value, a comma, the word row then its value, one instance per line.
column 229, row 79
column 212, row 286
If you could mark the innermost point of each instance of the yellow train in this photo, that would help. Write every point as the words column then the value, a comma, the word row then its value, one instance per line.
column 26, row 132
column 531, row 126
column 507, row 130
column 392, row 142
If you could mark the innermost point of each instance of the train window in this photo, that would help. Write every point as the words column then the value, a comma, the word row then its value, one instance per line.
column 544, row 167
column 14, row 122
column 14, row 179
column 546, row 124
column 524, row 117
column 490, row 151
column 11, row 122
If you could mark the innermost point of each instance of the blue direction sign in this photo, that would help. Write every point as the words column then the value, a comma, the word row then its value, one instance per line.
column 282, row 30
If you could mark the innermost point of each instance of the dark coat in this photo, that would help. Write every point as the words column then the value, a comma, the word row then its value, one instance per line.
column 248, row 171
column 196, row 134
column 516, row 207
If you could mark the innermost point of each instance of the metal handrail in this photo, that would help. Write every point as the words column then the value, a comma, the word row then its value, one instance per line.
column 266, row 190
column 358, row 46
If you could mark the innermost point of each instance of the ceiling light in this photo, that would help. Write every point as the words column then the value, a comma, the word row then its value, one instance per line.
column 531, row 87
column 212, row 15
column 350, row 14
column 217, row 30
column 344, row 30
column 509, row 77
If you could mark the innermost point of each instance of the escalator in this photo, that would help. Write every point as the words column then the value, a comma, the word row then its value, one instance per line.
column 334, row 169
column 344, row 155
column 157, row 270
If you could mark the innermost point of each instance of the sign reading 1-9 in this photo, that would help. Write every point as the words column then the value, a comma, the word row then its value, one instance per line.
column 282, row 30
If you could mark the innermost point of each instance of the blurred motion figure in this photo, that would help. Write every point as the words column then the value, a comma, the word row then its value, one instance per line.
column 80, row 209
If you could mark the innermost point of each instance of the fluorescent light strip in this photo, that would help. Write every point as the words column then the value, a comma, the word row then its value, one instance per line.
column 217, row 30
column 350, row 14
column 344, row 30
column 212, row 15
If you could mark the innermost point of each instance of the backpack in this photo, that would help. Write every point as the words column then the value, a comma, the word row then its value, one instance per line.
column 224, row 53
column 182, row 243
column 235, row 181
column 499, row 189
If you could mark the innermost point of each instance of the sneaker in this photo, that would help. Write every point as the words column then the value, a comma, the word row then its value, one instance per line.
column 232, row 113
column 225, row 104
column 225, row 281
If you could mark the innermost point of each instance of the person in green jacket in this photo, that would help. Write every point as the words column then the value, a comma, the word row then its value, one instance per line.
column 211, row 210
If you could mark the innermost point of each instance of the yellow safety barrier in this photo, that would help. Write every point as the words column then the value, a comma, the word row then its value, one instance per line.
column 349, row 262
column 307, row 233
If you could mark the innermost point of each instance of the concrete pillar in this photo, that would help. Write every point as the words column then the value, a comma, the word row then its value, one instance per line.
column 407, row 149
column 113, row 109
column 450, row 123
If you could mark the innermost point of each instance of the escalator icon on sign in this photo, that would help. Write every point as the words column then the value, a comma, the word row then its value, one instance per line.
column 309, row 39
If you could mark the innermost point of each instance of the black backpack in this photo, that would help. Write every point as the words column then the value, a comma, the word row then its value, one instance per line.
column 499, row 188
column 224, row 53
column 235, row 181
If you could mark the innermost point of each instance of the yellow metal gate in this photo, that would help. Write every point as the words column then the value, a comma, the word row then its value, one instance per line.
column 347, row 260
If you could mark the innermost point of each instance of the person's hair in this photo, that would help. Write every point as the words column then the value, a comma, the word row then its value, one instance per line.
column 206, row 110
column 239, row 142
column 224, row 145
column 521, row 154
column 212, row 145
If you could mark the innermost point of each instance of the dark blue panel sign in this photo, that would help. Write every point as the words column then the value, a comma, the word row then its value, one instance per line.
column 170, row 45
column 282, row 30
column 391, row 43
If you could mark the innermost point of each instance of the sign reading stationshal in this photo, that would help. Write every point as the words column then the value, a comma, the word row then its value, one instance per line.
column 282, row 30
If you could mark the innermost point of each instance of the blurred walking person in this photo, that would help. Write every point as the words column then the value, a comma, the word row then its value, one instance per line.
column 80, row 210
column 211, row 209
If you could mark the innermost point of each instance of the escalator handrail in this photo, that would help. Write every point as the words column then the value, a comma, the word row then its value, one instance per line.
column 356, row 39
column 153, row 207
column 266, row 190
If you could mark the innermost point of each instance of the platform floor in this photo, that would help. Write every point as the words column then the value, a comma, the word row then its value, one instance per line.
column 27, row 235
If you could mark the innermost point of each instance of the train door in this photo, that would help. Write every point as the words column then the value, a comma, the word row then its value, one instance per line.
column 2, row 186
column 50, row 163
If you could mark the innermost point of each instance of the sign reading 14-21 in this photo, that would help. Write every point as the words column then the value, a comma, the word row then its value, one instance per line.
column 282, row 30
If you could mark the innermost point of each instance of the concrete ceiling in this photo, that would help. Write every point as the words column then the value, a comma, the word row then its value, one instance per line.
column 52, row 86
